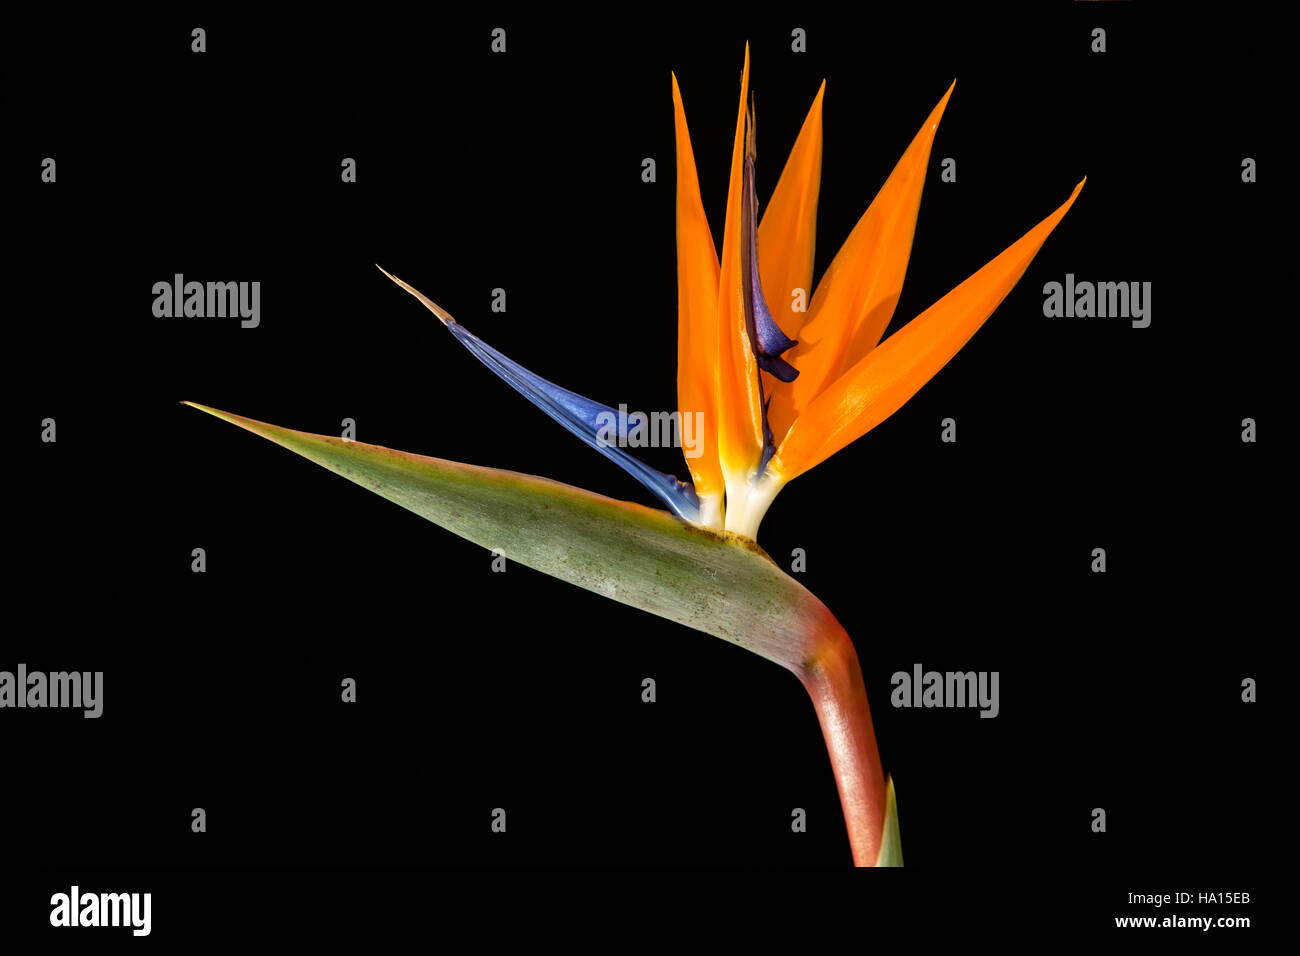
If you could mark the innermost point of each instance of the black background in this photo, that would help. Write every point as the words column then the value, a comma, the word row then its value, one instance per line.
column 480, row 690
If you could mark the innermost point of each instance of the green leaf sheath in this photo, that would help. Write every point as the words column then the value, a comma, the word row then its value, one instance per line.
column 715, row 582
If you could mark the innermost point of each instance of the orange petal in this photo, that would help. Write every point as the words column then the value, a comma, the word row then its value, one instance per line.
column 697, row 315
column 856, row 297
column 739, row 402
column 787, row 232
column 879, row 384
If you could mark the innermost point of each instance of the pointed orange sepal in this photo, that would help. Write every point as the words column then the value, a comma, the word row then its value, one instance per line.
column 881, row 382
column 856, row 297
column 697, row 314
column 739, row 403
column 788, row 230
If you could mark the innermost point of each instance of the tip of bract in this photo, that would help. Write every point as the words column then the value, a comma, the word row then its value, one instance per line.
column 429, row 304
column 218, row 413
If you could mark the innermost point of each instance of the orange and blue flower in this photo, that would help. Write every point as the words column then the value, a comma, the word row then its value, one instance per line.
column 781, row 391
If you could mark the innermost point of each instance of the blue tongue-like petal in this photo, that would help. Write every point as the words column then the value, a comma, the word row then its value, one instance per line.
column 586, row 419
column 765, row 336
column 598, row 425
column 769, row 340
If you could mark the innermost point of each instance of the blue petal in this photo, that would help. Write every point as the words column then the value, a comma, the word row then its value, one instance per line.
column 584, row 418
column 768, row 339
column 765, row 336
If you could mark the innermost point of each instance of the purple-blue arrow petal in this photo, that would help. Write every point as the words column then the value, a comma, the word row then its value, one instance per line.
column 588, row 420
column 768, row 339
column 765, row 336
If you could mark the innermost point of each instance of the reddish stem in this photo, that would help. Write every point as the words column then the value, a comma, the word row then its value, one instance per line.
column 833, row 679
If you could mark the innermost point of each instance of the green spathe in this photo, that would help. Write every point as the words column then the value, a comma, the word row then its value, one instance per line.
column 715, row 582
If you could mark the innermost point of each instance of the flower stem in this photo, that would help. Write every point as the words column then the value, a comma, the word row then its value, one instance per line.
column 833, row 679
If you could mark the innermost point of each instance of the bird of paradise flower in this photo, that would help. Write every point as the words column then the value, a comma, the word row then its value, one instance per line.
column 779, row 393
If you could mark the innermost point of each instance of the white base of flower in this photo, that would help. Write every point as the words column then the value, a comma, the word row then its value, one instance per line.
column 711, row 511
column 746, row 508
